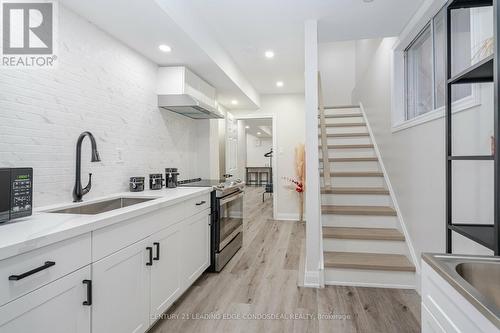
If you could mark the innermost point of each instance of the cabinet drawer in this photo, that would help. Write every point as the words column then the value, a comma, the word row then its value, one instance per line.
column 24, row 273
column 109, row 240
column 198, row 204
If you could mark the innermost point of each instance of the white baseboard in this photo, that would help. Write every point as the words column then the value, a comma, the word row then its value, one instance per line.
column 287, row 217
column 312, row 279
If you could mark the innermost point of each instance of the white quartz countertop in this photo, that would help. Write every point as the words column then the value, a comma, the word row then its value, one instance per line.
column 44, row 228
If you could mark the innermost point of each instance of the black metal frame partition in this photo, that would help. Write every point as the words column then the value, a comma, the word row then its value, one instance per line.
column 487, row 70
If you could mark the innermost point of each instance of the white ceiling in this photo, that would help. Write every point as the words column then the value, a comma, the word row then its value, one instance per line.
column 264, row 126
column 224, row 40
column 246, row 28
column 143, row 25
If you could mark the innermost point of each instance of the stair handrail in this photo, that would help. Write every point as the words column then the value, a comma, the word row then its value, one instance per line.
column 324, row 138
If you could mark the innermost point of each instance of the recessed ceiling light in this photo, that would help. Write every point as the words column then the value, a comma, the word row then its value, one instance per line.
column 279, row 84
column 247, row 127
column 165, row 48
column 269, row 54
column 259, row 133
column 234, row 102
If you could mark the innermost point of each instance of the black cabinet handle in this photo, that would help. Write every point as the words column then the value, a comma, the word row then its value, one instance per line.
column 88, row 302
column 157, row 246
column 33, row 271
column 201, row 203
column 150, row 249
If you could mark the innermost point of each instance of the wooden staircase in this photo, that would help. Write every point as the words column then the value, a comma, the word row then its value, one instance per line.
column 362, row 241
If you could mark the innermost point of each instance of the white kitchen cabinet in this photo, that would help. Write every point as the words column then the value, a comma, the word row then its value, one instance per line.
column 444, row 309
column 121, row 291
column 429, row 323
column 56, row 308
column 165, row 277
column 130, row 294
column 195, row 247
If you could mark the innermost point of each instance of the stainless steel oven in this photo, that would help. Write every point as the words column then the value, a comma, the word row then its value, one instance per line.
column 227, row 231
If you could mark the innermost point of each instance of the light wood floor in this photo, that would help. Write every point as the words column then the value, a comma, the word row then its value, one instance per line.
column 258, row 290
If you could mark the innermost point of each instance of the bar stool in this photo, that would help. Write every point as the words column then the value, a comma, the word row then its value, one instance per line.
column 252, row 178
column 263, row 177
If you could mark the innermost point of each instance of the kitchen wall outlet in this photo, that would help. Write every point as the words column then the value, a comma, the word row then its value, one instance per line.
column 119, row 156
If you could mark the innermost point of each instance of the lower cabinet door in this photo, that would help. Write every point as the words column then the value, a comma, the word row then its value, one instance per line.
column 195, row 247
column 56, row 308
column 165, row 275
column 121, row 291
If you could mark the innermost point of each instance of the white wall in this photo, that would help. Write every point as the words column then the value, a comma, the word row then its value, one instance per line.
column 104, row 87
column 288, row 110
column 242, row 149
column 415, row 157
column 338, row 70
column 256, row 148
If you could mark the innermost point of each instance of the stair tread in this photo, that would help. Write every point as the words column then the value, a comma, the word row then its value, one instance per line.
column 344, row 125
column 345, row 115
column 358, row 210
column 356, row 174
column 363, row 233
column 369, row 261
column 345, row 135
column 353, row 146
column 351, row 159
column 355, row 190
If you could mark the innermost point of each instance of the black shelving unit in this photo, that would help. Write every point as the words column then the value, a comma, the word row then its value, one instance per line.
column 487, row 70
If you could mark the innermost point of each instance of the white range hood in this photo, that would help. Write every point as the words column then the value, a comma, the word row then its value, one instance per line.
column 183, row 92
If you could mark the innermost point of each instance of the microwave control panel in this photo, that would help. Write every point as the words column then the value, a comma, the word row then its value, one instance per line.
column 21, row 204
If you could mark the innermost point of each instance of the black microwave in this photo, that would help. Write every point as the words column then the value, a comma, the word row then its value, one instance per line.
column 16, row 193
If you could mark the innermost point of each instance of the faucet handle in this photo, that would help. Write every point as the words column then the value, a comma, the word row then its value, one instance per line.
column 89, row 185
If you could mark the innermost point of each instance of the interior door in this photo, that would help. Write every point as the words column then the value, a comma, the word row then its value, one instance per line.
column 231, row 145
column 55, row 308
column 121, row 291
column 165, row 275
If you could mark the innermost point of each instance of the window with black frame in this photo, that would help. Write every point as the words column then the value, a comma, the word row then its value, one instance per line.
column 425, row 72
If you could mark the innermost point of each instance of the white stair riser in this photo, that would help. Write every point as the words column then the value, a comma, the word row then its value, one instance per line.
column 356, row 199
column 356, row 181
column 369, row 278
column 356, row 152
column 342, row 111
column 353, row 166
column 350, row 129
column 364, row 246
column 344, row 120
column 359, row 221
column 348, row 141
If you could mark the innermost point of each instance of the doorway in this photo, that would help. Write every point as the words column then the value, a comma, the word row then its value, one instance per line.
column 256, row 158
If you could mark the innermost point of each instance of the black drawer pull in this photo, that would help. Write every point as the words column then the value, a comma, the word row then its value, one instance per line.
column 201, row 203
column 150, row 250
column 88, row 302
column 157, row 246
column 33, row 271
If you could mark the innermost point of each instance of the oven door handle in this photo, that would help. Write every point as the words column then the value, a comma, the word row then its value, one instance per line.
column 231, row 198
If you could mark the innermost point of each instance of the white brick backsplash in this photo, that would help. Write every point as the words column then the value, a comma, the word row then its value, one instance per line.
column 102, row 86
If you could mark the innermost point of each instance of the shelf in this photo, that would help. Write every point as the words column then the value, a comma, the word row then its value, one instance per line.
column 477, row 73
column 456, row 4
column 479, row 233
column 472, row 158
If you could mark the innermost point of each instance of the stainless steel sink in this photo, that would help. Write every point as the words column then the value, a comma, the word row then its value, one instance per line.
column 477, row 278
column 484, row 277
column 102, row 206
